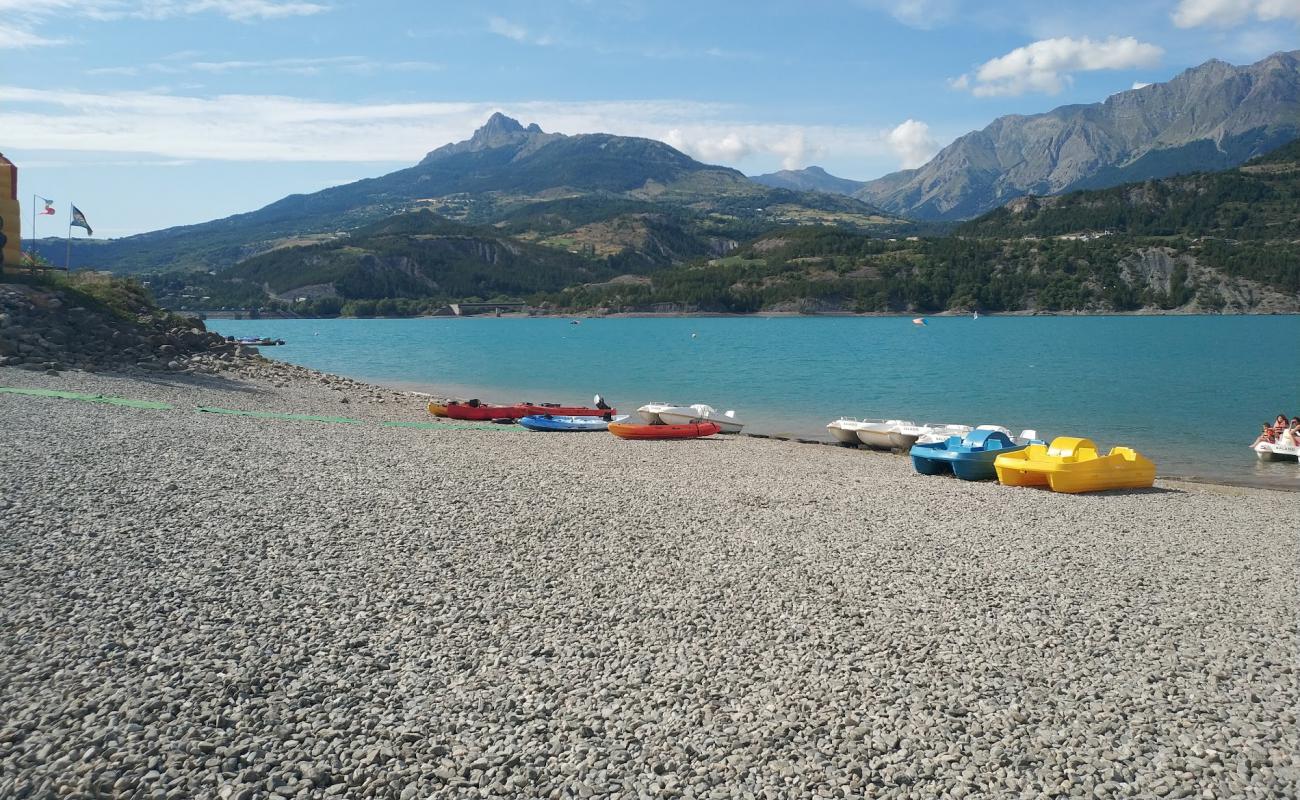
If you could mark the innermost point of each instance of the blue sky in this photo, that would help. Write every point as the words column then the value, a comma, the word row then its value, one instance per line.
column 151, row 113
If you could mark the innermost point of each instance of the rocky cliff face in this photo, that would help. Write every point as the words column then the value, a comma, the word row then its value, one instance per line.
column 1214, row 116
column 1159, row 268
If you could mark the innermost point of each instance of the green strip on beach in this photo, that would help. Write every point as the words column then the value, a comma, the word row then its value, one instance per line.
column 89, row 398
column 273, row 415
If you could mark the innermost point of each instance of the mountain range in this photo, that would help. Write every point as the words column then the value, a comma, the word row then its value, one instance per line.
column 1210, row 117
column 1205, row 242
column 505, row 172
column 1218, row 241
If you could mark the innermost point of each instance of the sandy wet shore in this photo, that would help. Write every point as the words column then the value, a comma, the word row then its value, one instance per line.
column 214, row 606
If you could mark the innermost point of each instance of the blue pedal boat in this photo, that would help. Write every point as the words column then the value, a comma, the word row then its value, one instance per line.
column 969, row 457
column 547, row 422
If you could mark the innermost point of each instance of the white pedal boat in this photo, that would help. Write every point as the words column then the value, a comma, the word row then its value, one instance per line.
column 1285, row 449
column 685, row 415
column 650, row 412
column 845, row 429
column 878, row 434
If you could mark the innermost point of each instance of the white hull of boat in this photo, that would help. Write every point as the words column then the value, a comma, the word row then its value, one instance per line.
column 842, row 435
column 685, row 415
column 845, row 429
column 650, row 412
column 880, row 434
column 1277, row 451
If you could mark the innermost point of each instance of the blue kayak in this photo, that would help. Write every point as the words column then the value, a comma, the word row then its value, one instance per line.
column 546, row 422
column 969, row 457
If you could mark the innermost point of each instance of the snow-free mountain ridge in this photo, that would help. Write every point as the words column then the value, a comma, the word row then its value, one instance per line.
column 1213, row 116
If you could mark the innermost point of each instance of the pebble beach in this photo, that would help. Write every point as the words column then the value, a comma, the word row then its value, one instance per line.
column 210, row 605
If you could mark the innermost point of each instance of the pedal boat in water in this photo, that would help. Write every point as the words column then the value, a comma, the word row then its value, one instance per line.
column 695, row 430
column 567, row 424
column 1284, row 449
column 685, row 415
column 1072, row 464
column 969, row 457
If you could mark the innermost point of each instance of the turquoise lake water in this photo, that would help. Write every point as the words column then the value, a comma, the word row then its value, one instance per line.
column 1190, row 392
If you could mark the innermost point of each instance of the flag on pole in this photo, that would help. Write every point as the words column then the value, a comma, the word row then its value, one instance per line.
column 79, row 221
column 49, row 207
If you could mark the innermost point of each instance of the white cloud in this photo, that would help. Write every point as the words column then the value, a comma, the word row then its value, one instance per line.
column 508, row 29
column 356, row 65
column 1045, row 66
column 1140, row 85
column 22, row 17
column 733, row 144
column 511, row 30
column 17, row 39
column 912, row 143
column 922, row 14
column 795, row 151
column 1226, row 13
column 241, row 10
column 730, row 147
column 165, row 126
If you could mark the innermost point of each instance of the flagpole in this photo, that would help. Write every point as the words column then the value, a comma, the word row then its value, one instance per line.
column 33, row 251
column 67, row 259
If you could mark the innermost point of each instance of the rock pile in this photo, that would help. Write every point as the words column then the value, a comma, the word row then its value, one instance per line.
column 45, row 329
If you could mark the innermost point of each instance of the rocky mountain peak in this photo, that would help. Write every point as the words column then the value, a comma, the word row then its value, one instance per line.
column 497, row 124
column 499, row 131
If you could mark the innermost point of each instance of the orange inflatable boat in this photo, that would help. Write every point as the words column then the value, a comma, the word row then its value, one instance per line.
column 626, row 430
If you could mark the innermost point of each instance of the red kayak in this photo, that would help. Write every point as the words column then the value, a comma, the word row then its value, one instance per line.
column 486, row 411
column 696, row 430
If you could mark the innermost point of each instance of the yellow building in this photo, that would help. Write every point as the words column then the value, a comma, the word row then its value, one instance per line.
column 11, row 250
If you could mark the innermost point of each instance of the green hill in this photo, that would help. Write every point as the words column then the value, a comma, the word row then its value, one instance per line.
column 416, row 256
column 1258, row 200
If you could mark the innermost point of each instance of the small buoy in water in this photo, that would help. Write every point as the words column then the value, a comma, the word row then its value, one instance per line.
column 693, row 335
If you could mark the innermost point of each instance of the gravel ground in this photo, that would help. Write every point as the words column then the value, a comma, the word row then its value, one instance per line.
column 200, row 606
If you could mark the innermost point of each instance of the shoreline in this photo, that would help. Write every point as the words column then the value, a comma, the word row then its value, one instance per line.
column 239, row 316
column 811, row 437
column 281, row 374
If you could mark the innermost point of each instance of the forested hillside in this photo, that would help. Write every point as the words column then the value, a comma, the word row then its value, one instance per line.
column 1222, row 241
column 822, row 269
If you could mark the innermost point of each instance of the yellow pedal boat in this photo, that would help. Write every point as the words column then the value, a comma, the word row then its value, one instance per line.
column 1071, row 464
